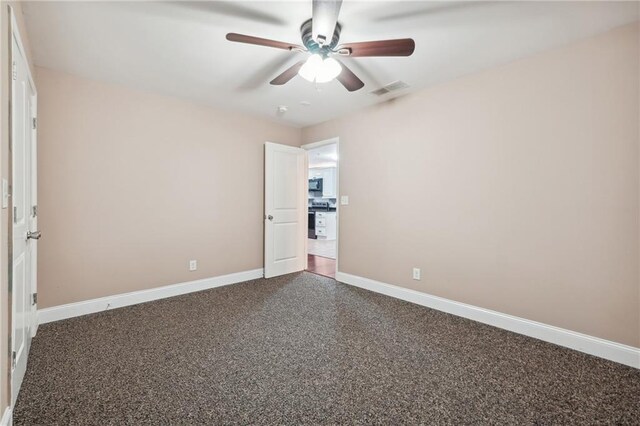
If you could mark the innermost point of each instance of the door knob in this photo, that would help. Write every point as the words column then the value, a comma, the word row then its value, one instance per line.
column 34, row 235
column 270, row 217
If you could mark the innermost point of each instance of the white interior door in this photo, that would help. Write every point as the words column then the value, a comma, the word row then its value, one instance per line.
column 285, row 215
column 22, row 279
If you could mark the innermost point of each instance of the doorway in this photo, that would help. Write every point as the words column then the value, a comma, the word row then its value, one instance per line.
column 322, row 207
column 301, row 181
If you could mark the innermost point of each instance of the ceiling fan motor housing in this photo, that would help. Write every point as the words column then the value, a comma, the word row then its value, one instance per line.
column 312, row 45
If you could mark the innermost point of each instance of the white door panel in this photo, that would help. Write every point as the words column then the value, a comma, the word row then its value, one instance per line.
column 23, row 200
column 285, row 195
column 286, row 241
column 285, row 216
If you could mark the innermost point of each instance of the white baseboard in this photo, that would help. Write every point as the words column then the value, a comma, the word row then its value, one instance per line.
column 71, row 310
column 613, row 351
column 7, row 417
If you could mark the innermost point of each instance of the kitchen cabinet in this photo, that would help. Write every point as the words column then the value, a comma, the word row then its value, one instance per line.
column 328, row 175
column 329, row 183
column 326, row 225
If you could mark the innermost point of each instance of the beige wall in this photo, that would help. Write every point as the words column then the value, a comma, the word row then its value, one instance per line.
column 133, row 185
column 515, row 189
column 5, row 93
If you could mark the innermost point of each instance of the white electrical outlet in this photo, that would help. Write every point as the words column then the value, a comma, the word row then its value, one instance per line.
column 416, row 273
column 344, row 200
column 193, row 265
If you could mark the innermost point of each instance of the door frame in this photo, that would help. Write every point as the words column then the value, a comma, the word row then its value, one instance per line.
column 335, row 140
column 14, row 32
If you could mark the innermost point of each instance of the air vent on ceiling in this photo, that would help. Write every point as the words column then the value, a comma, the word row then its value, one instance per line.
column 391, row 87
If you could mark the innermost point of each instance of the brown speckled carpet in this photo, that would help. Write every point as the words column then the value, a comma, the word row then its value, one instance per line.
column 304, row 349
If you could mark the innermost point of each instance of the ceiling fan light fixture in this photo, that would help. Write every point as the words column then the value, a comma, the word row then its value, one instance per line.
column 321, row 38
column 310, row 68
column 320, row 70
column 329, row 70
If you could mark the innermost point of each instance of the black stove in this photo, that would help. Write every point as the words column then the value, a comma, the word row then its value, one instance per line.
column 320, row 205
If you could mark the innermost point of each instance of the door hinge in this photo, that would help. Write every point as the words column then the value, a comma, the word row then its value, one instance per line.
column 14, row 70
column 34, row 299
column 35, row 122
column 13, row 359
column 34, row 210
column 15, row 214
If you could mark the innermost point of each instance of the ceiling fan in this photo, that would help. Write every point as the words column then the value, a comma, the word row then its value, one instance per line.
column 320, row 37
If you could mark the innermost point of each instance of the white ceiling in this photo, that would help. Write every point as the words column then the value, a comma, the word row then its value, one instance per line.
column 179, row 48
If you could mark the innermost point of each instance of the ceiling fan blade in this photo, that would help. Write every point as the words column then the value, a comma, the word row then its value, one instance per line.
column 348, row 79
column 262, row 72
column 399, row 47
column 241, row 38
column 288, row 74
column 325, row 16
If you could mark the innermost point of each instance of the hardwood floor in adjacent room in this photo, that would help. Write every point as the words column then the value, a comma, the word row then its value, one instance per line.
column 321, row 265
column 324, row 248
